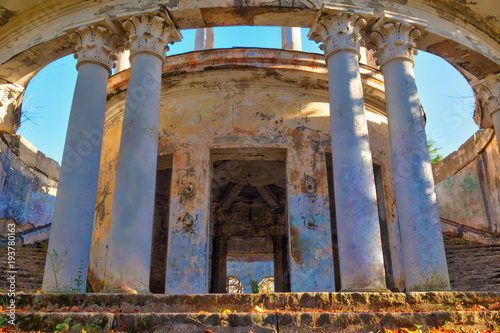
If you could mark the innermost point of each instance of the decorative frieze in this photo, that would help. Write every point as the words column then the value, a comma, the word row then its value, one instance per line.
column 394, row 38
column 151, row 34
column 97, row 45
column 339, row 28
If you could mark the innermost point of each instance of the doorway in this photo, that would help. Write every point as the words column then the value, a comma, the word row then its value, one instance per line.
column 249, row 232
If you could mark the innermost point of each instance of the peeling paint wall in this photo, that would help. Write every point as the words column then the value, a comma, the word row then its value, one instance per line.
column 28, row 186
column 230, row 107
column 468, row 184
column 104, row 202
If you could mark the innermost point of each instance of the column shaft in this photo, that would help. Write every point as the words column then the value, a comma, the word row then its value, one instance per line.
column 129, row 253
column 360, row 245
column 204, row 39
column 361, row 259
column 72, row 221
column 123, row 61
column 421, row 237
column 291, row 38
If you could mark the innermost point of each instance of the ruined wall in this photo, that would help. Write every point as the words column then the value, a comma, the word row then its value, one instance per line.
column 28, row 186
column 468, row 186
column 256, row 98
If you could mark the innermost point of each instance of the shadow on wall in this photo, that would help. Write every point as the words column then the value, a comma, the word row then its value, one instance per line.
column 28, row 187
column 468, row 189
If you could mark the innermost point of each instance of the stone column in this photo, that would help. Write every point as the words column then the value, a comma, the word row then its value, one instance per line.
column 129, row 251
column 291, row 38
column 204, row 39
column 72, row 221
column 123, row 61
column 422, row 245
column 489, row 95
column 360, row 246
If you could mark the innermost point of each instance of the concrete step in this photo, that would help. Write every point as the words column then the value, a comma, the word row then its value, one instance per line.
column 282, row 312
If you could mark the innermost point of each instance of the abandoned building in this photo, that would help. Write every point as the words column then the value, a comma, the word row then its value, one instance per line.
column 213, row 170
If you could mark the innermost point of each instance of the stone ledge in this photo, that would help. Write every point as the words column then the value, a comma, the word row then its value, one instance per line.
column 31, row 156
column 464, row 155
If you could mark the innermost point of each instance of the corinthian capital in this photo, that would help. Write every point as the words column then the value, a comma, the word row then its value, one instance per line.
column 394, row 38
column 9, row 118
column 488, row 90
column 151, row 34
column 339, row 28
column 96, row 45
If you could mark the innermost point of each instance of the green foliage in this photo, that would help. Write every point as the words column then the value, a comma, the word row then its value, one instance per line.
column 3, row 322
column 63, row 327
column 78, row 280
column 89, row 328
column 56, row 264
column 255, row 286
column 433, row 151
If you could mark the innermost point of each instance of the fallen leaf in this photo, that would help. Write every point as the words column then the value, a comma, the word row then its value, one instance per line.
column 258, row 309
column 494, row 306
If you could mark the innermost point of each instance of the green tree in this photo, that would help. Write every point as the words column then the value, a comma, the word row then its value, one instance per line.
column 433, row 151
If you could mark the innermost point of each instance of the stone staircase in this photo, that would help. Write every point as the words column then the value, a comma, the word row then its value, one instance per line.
column 30, row 264
column 278, row 312
column 474, row 267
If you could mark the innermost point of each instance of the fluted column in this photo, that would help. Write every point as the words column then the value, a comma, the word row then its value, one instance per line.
column 72, row 221
column 489, row 94
column 291, row 38
column 360, row 245
column 129, row 251
column 422, row 245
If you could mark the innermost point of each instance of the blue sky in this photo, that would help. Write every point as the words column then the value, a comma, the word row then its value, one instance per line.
column 446, row 96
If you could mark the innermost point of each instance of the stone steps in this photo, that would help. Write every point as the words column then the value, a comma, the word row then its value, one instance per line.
column 474, row 267
column 30, row 264
column 345, row 301
column 269, row 322
column 283, row 312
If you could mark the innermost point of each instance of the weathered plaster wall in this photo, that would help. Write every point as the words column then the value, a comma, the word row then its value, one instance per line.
column 468, row 185
column 28, row 186
column 266, row 104
column 104, row 201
